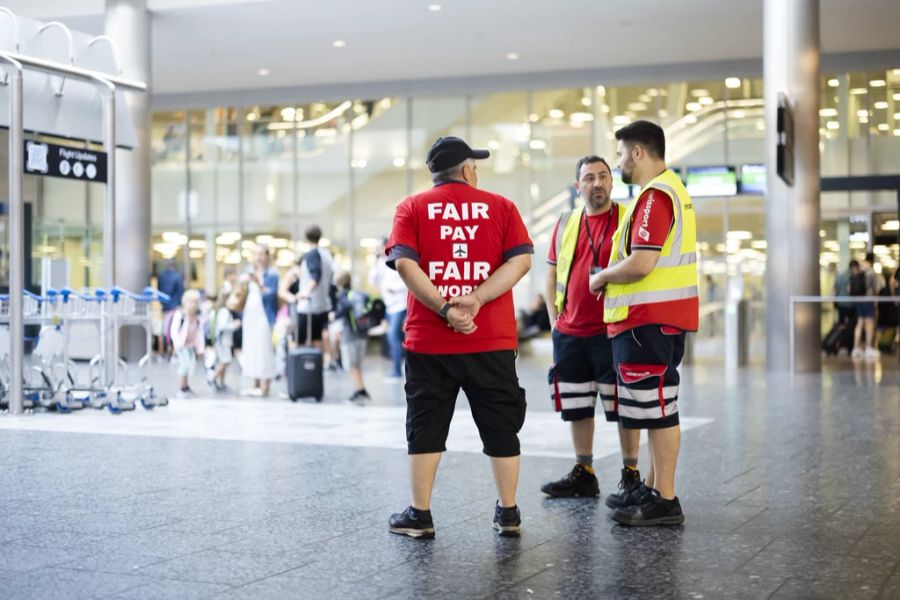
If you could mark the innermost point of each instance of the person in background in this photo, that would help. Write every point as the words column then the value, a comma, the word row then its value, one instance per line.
column 171, row 283
column 187, row 339
column 288, row 288
column 393, row 292
column 226, row 322
column 888, row 313
column 846, row 310
column 535, row 320
column 350, row 303
column 313, row 298
column 865, row 285
column 258, row 355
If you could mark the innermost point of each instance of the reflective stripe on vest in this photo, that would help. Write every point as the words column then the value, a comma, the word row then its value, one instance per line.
column 566, row 240
column 675, row 275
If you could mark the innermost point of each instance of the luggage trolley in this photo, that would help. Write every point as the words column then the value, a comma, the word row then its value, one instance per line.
column 86, row 308
column 49, row 371
column 127, row 308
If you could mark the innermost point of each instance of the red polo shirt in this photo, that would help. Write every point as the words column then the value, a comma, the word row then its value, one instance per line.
column 459, row 236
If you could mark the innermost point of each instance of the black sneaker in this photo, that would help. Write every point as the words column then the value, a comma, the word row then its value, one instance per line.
column 579, row 482
column 413, row 523
column 360, row 397
column 507, row 521
column 630, row 482
column 654, row 510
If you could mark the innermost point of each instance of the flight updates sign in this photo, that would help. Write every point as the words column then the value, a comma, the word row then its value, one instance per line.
column 42, row 158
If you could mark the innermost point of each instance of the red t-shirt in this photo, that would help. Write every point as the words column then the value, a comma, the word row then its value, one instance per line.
column 651, row 221
column 459, row 235
column 582, row 313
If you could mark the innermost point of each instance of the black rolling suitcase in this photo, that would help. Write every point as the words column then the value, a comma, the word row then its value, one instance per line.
column 838, row 338
column 304, row 369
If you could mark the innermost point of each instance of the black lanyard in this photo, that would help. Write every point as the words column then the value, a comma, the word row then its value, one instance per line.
column 595, row 252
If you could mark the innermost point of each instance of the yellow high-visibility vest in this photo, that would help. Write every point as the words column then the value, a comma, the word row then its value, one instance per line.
column 675, row 276
column 566, row 241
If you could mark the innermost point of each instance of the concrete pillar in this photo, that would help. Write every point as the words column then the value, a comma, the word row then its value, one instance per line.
column 127, row 22
column 791, row 66
column 843, row 238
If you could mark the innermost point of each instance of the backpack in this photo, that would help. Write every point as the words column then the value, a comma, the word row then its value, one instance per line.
column 366, row 313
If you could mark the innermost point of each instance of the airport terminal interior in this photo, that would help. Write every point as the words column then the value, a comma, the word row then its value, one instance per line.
column 154, row 149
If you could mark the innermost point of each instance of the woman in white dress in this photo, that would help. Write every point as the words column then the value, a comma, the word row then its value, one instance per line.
column 258, row 356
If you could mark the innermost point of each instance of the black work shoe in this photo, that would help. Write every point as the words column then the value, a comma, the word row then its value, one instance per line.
column 654, row 510
column 413, row 523
column 630, row 482
column 507, row 521
column 579, row 482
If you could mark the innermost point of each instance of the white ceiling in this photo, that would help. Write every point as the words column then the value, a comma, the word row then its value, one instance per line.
column 208, row 45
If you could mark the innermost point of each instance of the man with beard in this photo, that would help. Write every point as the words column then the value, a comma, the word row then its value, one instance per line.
column 651, row 301
column 582, row 353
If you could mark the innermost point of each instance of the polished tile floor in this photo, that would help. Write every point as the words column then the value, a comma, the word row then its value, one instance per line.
column 791, row 489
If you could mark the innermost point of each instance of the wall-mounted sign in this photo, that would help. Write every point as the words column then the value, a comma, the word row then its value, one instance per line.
column 784, row 157
column 52, row 160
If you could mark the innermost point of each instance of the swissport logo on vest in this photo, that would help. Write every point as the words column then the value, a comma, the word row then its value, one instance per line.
column 457, row 242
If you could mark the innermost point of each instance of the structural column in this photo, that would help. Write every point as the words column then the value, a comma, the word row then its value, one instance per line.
column 128, row 25
column 791, row 66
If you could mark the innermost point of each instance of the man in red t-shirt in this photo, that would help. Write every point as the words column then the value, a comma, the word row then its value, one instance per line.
column 460, row 250
column 582, row 352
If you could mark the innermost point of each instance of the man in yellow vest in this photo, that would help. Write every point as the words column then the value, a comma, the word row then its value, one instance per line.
column 582, row 353
column 651, row 301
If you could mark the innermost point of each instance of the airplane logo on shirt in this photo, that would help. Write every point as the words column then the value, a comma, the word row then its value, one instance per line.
column 460, row 251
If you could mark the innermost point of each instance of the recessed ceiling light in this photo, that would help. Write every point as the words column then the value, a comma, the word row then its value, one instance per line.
column 732, row 82
column 555, row 113
column 858, row 91
column 877, row 83
column 881, row 105
column 262, row 72
column 512, row 56
column 339, row 43
column 833, row 83
column 434, row 7
column 828, row 112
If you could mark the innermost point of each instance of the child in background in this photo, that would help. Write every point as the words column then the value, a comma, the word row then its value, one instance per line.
column 353, row 339
column 187, row 338
column 226, row 322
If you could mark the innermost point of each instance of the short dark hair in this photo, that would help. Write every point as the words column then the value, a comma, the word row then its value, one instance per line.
column 313, row 234
column 587, row 160
column 647, row 134
column 870, row 256
column 854, row 263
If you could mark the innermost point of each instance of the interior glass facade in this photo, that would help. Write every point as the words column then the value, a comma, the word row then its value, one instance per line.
column 225, row 178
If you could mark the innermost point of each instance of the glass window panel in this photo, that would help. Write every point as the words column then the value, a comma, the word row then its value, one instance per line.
column 432, row 117
column 268, row 164
column 379, row 164
column 323, row 137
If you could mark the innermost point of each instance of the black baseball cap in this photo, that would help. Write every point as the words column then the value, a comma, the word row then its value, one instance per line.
column 449, row 151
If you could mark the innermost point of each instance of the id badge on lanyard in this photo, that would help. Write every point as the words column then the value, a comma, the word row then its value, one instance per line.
column 595, row 253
